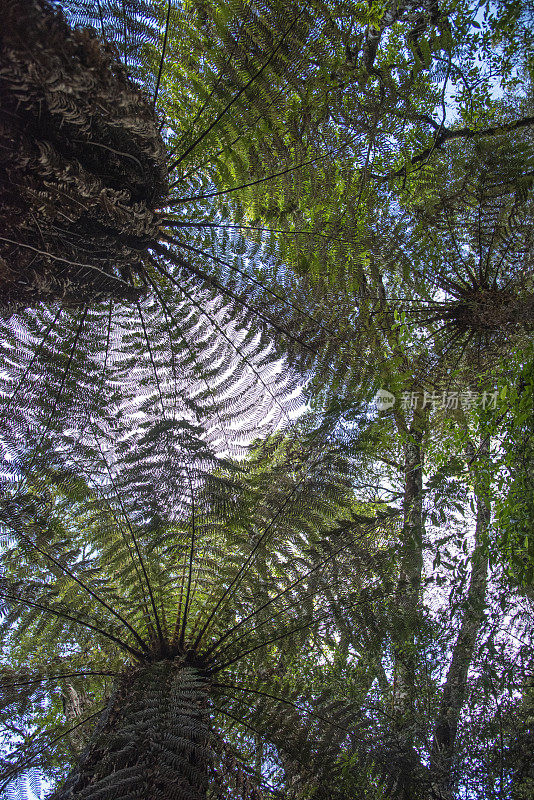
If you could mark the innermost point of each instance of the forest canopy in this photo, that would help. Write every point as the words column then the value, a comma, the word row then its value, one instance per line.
column 267, row 400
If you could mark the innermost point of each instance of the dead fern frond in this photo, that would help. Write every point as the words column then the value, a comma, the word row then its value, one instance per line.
column 82, row 165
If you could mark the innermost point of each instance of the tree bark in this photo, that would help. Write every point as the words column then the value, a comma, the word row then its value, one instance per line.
column 75, row 704
column 407, row 595
column 152, row 742
column 455, row 688
column 403, row 761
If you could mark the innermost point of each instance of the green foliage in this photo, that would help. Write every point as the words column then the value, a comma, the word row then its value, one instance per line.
column 148, row 550
column 349, row 209
column 515, row 508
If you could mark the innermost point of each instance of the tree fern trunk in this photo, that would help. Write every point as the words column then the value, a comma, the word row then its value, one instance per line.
column 82, row 165
column 407, row 596
column 152, row 742
column 455, row 689
column 404, row 761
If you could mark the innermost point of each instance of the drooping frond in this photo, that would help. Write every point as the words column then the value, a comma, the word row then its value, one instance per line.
column 83, row 165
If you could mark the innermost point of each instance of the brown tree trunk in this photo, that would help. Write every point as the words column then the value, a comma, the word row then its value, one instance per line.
column 152, row 742
column 404, row 761
column 82, row 165
column 455, row 688
column 407, row 595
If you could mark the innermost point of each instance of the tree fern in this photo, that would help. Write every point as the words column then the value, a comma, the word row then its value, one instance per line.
column 86, row 172
column 154, row 564
column 303, row 147
column 266, row 108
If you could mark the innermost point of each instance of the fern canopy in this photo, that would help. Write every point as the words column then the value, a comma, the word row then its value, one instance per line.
column 217, row 213
column 148, row 555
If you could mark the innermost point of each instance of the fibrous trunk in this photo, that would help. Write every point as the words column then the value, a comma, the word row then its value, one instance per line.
column 407, row 597
column 82, row 164
column 491, row 310
column 152, row 742
column 403, row 759
column 455, row 688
